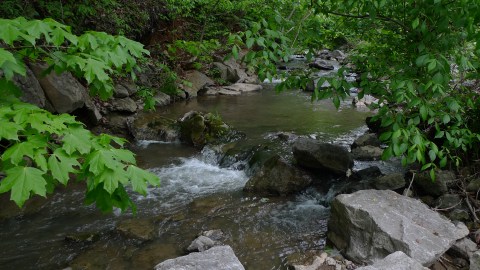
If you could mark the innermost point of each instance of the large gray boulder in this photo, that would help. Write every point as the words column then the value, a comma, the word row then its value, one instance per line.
column 277, row 177
column 370, row 224
column 32, row 92
column 198, row 82
column 215, row 258
column 395, row 261
column 314, row 154
column 227, row 73
column 63, row 91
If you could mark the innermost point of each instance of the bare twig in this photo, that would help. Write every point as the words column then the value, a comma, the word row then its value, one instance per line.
column 448, row 208
column 406, row 191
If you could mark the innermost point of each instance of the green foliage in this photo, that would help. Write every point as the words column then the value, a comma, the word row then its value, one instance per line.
column 196, row 52
column 42, row 150
column 266, row 46
column 406, row 60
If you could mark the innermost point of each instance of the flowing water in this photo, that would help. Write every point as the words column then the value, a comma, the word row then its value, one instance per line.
column 195, row 195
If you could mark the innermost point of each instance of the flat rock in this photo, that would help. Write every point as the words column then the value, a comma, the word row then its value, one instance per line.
column 216, row 258
column 244, row 87
column 370, row 224
column 228, row 92
column 395, row 261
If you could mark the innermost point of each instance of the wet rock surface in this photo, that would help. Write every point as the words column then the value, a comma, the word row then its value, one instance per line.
column 371, row 224
column 142, row 229
column 314, row 154
column 277, row 177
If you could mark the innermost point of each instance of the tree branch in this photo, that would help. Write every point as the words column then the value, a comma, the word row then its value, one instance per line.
column 380, row 17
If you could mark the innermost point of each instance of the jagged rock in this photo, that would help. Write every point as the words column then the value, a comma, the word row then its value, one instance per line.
column 390, row 181
column 32, row 92
column 199, row 129
column 337, row 54
column 370, row 224
column 198, row 81
column 92, row 113
column 240, row 71
column 215, row 235
column 463, row 248
column 131, row 88
column 120, row 91
column 202, row 243
column 244, row 87
column 63, row 91
column 277, row 177
column 475, row 261
column 321, row 64
column 227, row 73
column 423, row 182
column 313, row 154
column 162, row 99
column 474, row 185
column 367, row 139
column 142, row 229
column 154, row 127
column 124, row 105
column 118, row 123
column 367, row 152
column 448, row 201
column 395, row 261
column 215, row 258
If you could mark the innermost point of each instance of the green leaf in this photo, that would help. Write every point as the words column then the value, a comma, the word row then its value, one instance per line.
column 60, row 164
column 235, row 51
column 77, row 139
column 21, row 181
column 250, row 42
column 10, row 131
column 415, row 23
column 9, row 33
column 446, row 118
column 16, row 153
column 139, row 178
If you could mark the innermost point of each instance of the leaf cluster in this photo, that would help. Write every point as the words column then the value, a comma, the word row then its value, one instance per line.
column 41, row 150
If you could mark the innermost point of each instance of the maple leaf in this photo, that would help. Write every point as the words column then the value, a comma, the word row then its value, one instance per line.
column 77, row 139
column 60, row 164
column 22, row 181
column 139, row 179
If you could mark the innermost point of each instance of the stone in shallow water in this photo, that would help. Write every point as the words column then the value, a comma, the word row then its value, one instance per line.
column 371, row 224
column 216, row 258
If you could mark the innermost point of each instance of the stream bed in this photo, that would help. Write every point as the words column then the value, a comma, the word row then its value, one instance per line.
column 195, row 195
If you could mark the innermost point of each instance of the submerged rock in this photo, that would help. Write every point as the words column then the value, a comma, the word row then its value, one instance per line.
column 142, row 229
column 277, row 177
column 370, row 224
column 215, row 258
column 154, row 127
column 198, row 129
column 314, row 154
column 395, row 261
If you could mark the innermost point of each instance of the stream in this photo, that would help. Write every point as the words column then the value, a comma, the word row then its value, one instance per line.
column 195, row 195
